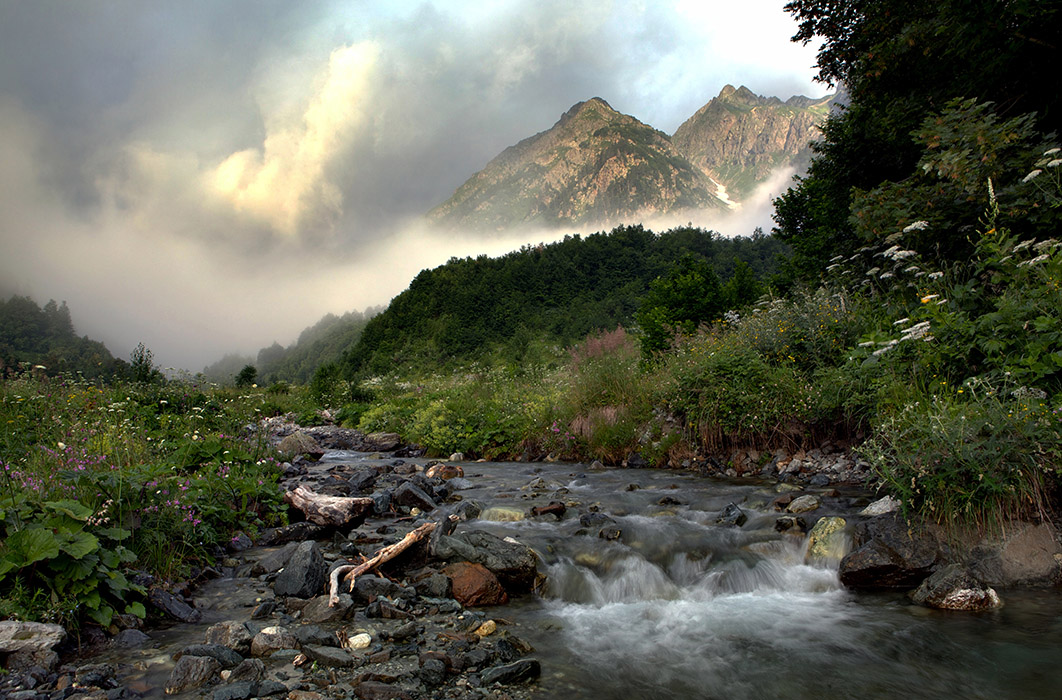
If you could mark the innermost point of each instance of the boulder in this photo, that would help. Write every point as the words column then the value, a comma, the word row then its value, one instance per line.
column 954, row 588
column 732, row 516
column 804, row 504
column 296, row 532
column 828, row 541
column 174, row 607
column 522, row 670
column 300, row 443
column 231, row 634
column 410, row 495
column 375, row 690
column 319, row 610
column 473, row 585
column 891, row 555
column 444, row 471
column 382, row 442
column 1024, row 554
column 882, row 506
column 502, row 514
column 29, row 636
column 273, row 639
column 329, row 657
column 305, row 574
column 515, row 565
column 248, row 670
column 222, row 654
column 191, row 672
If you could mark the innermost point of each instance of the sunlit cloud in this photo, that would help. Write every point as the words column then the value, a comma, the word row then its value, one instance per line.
column 285, row 182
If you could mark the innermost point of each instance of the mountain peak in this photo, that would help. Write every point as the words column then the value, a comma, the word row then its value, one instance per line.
column 594, row 166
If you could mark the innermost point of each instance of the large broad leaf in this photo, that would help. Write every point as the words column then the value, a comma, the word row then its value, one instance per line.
column 113, row 533
column 24, row 547
column 136, row 608
column 78, row 544
column 74, row 509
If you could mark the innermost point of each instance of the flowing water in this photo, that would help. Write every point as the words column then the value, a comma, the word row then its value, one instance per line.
column 681, row 607
column 678, row 606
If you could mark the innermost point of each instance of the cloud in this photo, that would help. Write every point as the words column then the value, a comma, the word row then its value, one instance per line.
column 207, row 177
column 285, row 182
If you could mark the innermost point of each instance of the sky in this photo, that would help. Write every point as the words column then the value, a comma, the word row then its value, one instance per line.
column 211, row 176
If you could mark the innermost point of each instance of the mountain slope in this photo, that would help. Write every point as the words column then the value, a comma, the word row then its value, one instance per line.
column 739, row 138
column 593, row 166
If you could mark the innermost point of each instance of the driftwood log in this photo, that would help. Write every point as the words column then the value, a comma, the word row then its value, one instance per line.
column 334, row 511
column 350, row 572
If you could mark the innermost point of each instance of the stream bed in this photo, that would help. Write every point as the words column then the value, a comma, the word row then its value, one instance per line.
column 648, row 596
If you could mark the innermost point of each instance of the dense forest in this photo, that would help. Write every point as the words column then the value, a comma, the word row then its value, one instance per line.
column 558, row 292
column 46, row 337
column 319, row 344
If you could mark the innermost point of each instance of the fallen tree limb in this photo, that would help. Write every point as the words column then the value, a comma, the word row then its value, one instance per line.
column 335, row 511
column 350, row 572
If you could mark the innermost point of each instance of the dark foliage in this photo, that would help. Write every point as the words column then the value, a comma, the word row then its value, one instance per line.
column 559, row 292
column 46, row 336
column 899, row 62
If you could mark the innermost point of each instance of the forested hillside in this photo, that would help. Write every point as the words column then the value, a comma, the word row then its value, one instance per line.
column 46, row 336
column 319, row 344
column 558, row 292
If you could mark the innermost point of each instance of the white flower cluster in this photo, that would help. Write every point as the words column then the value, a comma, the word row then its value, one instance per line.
column 916, row 226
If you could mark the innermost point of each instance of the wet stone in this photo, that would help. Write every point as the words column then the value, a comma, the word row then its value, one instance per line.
column 732, row 516
column 131, row 639
column 318, row 609
column 374, row 690
column 522, row 670
column 191, row 672
column 432, row 672
column 329, row 657
column 248, row 670
column 312, row 634
column 174, row 607
column 231, row 634
column 804, row 504
column 222, row 654
column 305, row 574
column 240, row 690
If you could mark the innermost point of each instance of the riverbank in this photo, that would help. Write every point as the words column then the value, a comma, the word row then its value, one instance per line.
column 623, row 561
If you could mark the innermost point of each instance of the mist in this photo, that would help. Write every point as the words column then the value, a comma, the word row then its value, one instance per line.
column 209, row 178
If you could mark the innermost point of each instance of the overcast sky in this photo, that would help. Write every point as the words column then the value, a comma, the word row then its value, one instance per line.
column 209, row 176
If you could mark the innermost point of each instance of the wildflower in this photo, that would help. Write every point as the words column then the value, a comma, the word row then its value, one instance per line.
column 935, row 275
column 873, row 271
column 1051, row 151
column 1024, row 244
column 1034, row 261
column 60, row 445
column 1055, row 163
column 901, row 321
column 916, row 226
column 929, row 297
column 1031, row 176
column 1044, row 245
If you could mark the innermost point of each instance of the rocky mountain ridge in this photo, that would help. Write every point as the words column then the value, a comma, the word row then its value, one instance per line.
column 600, row 167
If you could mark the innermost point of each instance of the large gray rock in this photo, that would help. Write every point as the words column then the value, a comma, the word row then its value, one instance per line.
column 522, row 670
column 191, row 672
column 954, row 588
column 515, row 565
column 300, row 443
column 318, row 609
column 273, row 639
column 1023, row 554
column 29, row 636
column 222, row 654
column 410, row 495
column 382, row 442
column 305, row 574
column 231, row 634
column 329, row 657
column 173, row 606
column 828, row 541
column 890, row 554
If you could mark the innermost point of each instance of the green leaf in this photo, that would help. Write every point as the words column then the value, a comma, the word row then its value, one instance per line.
column 136, row 608
column 24, row 547
column 74, row 509
column 78, row 544
column 103, row 616
column 113, row 533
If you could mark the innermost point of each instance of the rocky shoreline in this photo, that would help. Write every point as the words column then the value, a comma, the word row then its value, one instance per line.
column 427, row 622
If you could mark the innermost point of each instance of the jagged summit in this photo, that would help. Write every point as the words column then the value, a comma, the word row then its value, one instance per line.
column 595, row 165
column 601, row 167
column 738, row 138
